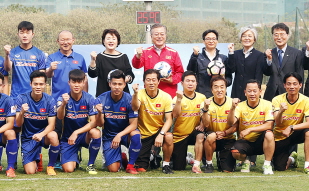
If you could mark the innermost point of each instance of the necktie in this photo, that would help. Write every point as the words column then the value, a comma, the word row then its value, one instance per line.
column 280, row 57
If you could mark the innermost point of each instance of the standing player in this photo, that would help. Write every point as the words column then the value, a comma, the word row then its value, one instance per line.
column 290, row 110
column 76, row 108
column 7, row 134
column 154, row 108
column 187, row 129
column 219, row 135
column 36, row 114
column 120, row 122
column 160, row 52
column 255, row 119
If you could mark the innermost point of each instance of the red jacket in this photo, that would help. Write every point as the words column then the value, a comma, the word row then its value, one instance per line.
column 150, row 57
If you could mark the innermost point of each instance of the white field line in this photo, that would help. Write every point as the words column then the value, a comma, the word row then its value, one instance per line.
column 161, row 177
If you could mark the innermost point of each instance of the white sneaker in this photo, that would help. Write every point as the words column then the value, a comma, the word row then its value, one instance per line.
column 268, row 169
column 245, row 167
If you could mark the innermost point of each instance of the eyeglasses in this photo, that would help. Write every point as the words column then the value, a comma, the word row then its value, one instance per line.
column 210, row 39
column 276, row 35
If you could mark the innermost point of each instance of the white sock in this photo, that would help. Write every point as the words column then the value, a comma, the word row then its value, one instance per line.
column 197, row 163
column 166, row 163
column 292, row 160
column 209, row 162
column 306, row 164
column 266, row 162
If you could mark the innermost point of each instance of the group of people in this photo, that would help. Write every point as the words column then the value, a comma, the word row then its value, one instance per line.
column 157, row 115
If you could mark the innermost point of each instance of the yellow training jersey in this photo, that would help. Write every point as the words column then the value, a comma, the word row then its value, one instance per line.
column 293, row 115
column 218, row 116
column 252, row 117
column 190, row 116
column 152, row 111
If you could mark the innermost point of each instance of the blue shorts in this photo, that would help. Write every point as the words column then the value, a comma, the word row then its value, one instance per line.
column 69, row 153
column 113, row 155
column 30, row 150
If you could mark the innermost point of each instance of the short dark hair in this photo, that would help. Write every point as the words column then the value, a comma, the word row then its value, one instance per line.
column 76, row 75
column 210, row 31
column 280, row 26
column 157, row 26
column 113, row 32
column 217, row 78
column 254, row 81
column 37, row 74
column 293, row 74
column 188, row 73
column 2, row 77
column 151, row 71
column 117, row 74
column 25, row 25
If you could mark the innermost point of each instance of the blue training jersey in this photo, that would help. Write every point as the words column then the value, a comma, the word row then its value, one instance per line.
column 36, row 118
column 116, row 114
column 2, row 71
column 24, row 62
column 7, row 108
column 77, row 113
column 61, row 74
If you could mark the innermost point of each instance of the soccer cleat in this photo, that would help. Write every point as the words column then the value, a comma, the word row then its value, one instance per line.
column 306, row 170
column 50, row 171
column 209, row 168
column 91, row 169
column 267, row 169
column 190, row 159
column 1, row 167
column 167, row 169
column 124, row 160
column 196, row 169
column 130, row 169
column 156, row 160
column 245, row 167
column 40, row 164
column 10, row 173
column 295, row 156
column 141, row 170
column 58, row 165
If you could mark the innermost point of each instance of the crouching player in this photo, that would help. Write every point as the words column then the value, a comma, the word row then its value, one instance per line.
column 187, row 129
column 7, row 134
column 290, row 110
column 120, row 123
column 219, row 136
column 36, row 115
column 255, row 121
column 76, row 107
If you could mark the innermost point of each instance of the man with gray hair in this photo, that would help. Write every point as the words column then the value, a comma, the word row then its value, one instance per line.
column 148, row 57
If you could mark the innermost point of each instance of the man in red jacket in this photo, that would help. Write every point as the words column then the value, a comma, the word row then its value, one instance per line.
column 148, row 57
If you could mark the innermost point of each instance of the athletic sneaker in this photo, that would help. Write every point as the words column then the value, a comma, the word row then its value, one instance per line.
column 141, row 170
column 10, row 173
column 130, row 169
column 50, row 171
column 58, row 165
column 196, row 169
column 268, row 169
column 156, row 160
column 245, row 167
column 167, row 169
column 209, row 168
column 190, row 159
column 295, row 156
column 91, row 169
column 306, row 170
column 40, row 164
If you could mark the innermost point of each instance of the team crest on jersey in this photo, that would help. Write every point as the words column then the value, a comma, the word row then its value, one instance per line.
column 245, row 114
column 158, row 105
column 107, row 107
column 1, row 110
column 149, row 56
column 83, row 107
column 123, row 109
column 298, row 110
column 75, row 62
column 17, row 55
column 198, row 106
column 262, row 113
column 32, row 57
column 42, row 110
column 168, row 57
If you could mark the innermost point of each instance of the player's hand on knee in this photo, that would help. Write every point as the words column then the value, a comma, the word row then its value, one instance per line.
column 72, row 139
column 65, row 98
column 287, row 131
column 7, row 49
column 24, row 108
column 37, row 137
column 220, row 135
column 93, row 55
column 116, row 142
column 159, row 140
column 244, row 133
column 200, row 128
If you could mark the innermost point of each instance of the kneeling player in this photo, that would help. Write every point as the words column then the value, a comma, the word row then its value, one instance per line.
column 290, row 110
column 76, row 107
column 219, row 136
column 255, row 121
column 7, row 134
column 120, row 123
column 187, row 129
column 36, row 114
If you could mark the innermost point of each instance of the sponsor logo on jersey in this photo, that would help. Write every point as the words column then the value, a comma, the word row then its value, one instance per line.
column 158, row 105
column 215, row 120
column 198, row 106
column 75, row 62
column 37, row 117
column 107, row 107
column 111, row 116
column 72, row 116
column 190, row 114
column 42, row 110
column 32, row 57
column 294, row 118
column 17, row 55
column 123, row 109
column 1, row 110
column 153, row 112
column 25, row 64
column 83, row 107
column 298, row 110
column 227, row 111
column 95, row 148
column 262, row 113
column 2, row 118
column 168, row 57
column 247, row 123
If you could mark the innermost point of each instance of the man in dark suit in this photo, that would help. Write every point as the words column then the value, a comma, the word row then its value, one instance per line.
column 305, row 51
column 280, row 61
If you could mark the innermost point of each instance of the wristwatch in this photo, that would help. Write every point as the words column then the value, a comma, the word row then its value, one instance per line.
column 292, row 127
column 162, row 133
